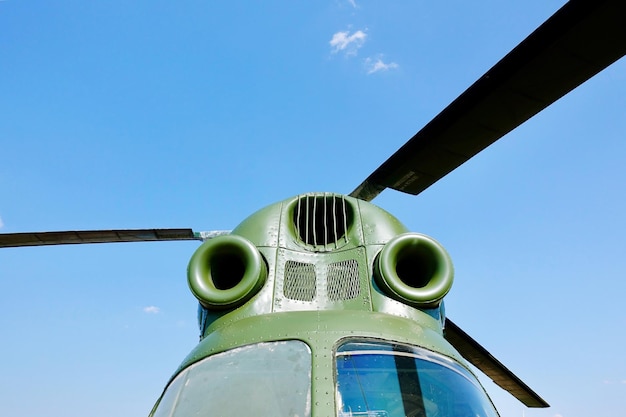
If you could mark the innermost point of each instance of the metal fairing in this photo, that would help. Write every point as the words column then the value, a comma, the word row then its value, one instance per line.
column 324, row 313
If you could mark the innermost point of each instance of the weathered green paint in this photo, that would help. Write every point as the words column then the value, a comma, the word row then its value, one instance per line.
column 322, row 321
column 322, row 330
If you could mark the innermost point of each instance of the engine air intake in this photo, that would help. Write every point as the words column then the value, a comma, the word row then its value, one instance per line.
column 225, row 272
column 414, row 269
column 322, row 221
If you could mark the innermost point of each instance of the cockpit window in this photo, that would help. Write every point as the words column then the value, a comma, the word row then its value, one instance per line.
column 265, row 379
column 376, row 379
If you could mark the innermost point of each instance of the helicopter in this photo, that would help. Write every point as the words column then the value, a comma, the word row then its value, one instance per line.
column 315, row 198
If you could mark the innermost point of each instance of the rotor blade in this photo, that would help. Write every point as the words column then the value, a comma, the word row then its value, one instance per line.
column 577, row 42
column 490, row 366
column 8, row 240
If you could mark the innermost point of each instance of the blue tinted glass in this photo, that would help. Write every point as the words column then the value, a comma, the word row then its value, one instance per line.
column 385, row 380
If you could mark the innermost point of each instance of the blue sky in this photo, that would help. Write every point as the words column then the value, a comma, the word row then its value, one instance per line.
column 118, row 114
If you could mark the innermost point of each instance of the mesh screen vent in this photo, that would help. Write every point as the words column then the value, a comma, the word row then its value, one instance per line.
column 322, row 220
column 343, row 280
column 300, row 282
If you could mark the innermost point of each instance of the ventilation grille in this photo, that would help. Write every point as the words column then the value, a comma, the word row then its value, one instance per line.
column 300, row 282
column 343, row 280
column 340, row 280
column 322, row 221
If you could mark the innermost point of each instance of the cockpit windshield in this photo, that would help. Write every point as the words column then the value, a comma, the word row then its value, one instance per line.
column 376, row 379
column 265, row 379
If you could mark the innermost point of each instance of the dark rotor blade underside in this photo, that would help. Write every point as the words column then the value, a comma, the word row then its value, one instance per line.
column 8, row 240
column 577, row 42
column 490, row 366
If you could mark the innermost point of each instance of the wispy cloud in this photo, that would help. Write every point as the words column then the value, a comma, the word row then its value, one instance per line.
column 377, row 65
column 1, row 223
column 151, row 310
column 614, row 382
column 352, row 3
column 348, row 43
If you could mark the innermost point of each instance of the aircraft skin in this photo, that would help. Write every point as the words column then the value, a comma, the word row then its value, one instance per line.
column 319, row 310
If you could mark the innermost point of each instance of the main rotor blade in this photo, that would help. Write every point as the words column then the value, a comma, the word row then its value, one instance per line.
column 577, row 42
column 8, row 240
column 490, row 366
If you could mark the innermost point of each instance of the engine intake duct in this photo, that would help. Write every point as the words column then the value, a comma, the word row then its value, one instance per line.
column 414, row 269
column 225, row 272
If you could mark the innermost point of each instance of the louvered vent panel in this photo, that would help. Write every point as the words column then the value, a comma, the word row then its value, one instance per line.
column 300, row 281
column 343, row 280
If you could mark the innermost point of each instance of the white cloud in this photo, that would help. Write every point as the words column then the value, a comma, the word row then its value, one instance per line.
column 614, row 382
column 378, row 65
column 352, row 3
column 151, row 310
column 1, row 223
column 349, row 43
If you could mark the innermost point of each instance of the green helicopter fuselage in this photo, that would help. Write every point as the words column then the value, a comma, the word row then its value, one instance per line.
column 322, row 305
